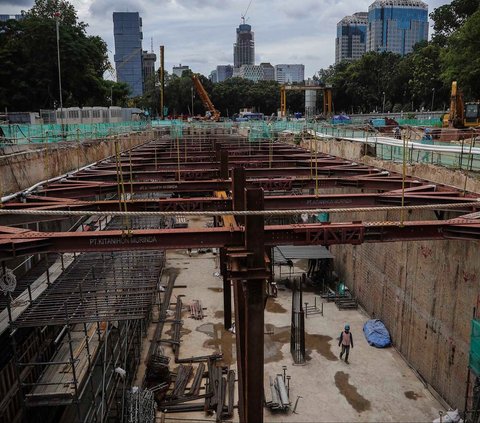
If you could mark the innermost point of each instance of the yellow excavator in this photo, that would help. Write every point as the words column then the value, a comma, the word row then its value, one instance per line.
column 207, row 103
column 461, row 115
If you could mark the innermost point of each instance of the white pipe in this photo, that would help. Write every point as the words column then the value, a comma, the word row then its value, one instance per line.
column 399, row 143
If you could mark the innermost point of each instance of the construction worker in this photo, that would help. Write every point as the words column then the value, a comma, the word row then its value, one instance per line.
column 345, row 340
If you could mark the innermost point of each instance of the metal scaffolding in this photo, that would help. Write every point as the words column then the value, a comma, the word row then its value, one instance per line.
column 95, row 314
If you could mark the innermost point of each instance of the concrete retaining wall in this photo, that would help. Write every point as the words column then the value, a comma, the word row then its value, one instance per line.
column 23, row 168
column 424, row 291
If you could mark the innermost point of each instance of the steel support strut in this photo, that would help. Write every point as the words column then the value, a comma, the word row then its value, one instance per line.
column 227, row 291
column 249, row 302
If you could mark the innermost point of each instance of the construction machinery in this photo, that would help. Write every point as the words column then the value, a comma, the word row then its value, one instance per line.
column 461, row 115
column 327, row 97
column 212, row 112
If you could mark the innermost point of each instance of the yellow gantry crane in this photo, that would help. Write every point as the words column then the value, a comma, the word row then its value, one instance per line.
column 327, row 97
column 207, row 103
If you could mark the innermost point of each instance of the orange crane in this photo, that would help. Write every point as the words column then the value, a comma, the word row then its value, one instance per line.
column 207, row 103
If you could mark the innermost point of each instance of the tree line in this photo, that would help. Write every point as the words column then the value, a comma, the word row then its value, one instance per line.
column 376, row 82
column 28, row 58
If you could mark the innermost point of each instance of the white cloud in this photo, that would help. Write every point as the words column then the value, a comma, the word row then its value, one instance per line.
column 201, row 33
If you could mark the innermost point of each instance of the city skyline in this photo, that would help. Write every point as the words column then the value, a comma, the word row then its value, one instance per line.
column 200, row 34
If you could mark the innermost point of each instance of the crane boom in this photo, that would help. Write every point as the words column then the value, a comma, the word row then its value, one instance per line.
column 207, row 103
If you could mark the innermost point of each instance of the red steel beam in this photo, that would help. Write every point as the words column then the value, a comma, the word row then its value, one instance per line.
column 286, row 202
column 14, row 244
column 93, row 188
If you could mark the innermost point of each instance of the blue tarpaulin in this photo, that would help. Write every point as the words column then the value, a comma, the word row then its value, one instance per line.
column 340, row 119
column 376, row 333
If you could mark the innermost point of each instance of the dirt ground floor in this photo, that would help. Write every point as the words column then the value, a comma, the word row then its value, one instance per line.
column 376, row 386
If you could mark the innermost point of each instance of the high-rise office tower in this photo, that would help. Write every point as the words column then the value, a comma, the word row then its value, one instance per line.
column 127, row 31
column 396, row 25
column 244, row 48
column 351, row 40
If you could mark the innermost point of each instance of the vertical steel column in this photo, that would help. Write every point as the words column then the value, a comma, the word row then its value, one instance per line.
column 223, row 170
column 254, row 316
column 162, row 81
column 239, row 297
column 238, row 191
column 227, row 290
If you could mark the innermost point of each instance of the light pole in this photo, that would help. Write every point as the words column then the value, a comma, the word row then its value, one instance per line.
column 433, row 98
column 383, row 106
column 191, row 89
column 57, row 20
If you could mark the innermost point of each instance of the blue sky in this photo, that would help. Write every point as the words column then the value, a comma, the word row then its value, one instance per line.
column 201, row 33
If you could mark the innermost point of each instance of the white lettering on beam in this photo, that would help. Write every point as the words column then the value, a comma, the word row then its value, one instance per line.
column 123, row 241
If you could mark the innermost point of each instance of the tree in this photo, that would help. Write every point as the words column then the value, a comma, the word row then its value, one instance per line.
column 28, row 53
column 461, row 59
column 59, row 9
column 450, row 17
column 424, row 67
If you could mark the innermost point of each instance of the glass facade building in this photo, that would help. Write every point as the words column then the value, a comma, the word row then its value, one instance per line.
column 224, row 72
column 127, row 31
column 396, row 25
column 5, row 18
column 288, row 74
column 351, row 40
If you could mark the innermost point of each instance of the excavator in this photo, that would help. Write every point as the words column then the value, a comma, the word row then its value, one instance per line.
column 207, row 103
column 462, row 115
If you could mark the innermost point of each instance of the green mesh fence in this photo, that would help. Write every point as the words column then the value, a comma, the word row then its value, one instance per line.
column 23, row 134
column 421, row 122
column 475, row 347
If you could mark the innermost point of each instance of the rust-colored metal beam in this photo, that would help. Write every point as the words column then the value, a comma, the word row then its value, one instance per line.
column 15, row 244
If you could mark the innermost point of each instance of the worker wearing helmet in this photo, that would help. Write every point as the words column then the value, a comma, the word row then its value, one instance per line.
column 345, row 341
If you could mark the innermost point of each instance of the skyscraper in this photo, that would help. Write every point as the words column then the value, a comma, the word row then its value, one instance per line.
column 351, row 38
column 396, row 25
column 244, row 48
column 287, row 74
column 127, row 31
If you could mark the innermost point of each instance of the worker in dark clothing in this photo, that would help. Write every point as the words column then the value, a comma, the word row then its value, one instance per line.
column 345, row 341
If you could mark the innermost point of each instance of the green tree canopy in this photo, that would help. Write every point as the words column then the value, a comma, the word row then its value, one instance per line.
column 28, row 53
column 450, row 17
column 461, row 59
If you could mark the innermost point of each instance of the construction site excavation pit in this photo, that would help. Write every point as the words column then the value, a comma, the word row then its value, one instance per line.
column 376, row 386
column 208, row 275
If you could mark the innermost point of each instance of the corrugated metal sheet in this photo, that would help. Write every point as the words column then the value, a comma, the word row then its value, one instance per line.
column 291, row 252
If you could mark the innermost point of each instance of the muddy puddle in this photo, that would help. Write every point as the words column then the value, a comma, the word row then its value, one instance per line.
column 215, row 289
column 221, row 341
column 274, row 307
column 412, row 395
column 277, row 337
column 349, row 391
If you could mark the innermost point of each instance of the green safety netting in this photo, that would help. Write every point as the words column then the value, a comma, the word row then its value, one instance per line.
column 475, row 347
column 41, row 133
